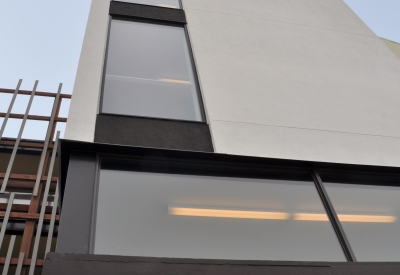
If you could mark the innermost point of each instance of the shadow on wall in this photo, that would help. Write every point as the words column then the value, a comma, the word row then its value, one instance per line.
column 393, row 46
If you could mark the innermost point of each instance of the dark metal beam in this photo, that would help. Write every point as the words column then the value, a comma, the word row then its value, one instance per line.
column 337, row 227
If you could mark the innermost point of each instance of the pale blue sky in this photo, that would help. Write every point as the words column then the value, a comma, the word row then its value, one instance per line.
column 39, row 40
column 42, row 39
column 382, row 16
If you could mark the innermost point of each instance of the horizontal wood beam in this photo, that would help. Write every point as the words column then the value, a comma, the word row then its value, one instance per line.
column 25, row 144
column 14, row 261
column 28, row 216
column 25, row 184
column 26, row 177
column 22, row 208
column 25, row 92
column 34, row 117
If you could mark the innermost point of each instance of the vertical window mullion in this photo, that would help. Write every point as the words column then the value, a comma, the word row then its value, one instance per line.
column 333, row 218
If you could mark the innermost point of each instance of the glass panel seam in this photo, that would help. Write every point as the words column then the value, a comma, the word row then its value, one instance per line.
column 333, row 218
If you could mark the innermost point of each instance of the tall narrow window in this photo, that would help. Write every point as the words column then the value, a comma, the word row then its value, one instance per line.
column 149, row 72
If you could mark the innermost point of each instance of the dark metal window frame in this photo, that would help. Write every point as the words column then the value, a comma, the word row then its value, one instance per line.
column 179, row 1
column 152, row 15
column 130, row 158
column 118, row 163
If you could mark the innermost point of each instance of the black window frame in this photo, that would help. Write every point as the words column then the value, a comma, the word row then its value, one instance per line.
column 179, row 1
column 119, row 157
column 153, row 15
column 120, row 163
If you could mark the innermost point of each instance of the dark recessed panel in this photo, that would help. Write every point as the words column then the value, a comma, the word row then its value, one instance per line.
column 130, row 10
column 156, row 133
column 60, row 264
column 75, row 224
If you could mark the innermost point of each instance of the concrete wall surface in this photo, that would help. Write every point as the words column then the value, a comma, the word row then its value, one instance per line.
column 86, row 94
column 296, row 79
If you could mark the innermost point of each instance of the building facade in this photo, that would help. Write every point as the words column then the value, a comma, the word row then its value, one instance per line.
column 236, row 137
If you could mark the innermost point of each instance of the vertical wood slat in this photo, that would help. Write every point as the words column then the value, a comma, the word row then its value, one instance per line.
column 9, row 254
column 52, row 220
column 47, row 139
column 27, row 238
column 43, row 208
column 29, row 229
column 3, row 126
column 57, row 116
column 21, row 130
column 6, row 217
column 20, row 263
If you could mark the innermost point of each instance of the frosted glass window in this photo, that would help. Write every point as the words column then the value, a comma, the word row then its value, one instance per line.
column 173, row 4
column 184, row 216
column 370, row 218
column 149, row 72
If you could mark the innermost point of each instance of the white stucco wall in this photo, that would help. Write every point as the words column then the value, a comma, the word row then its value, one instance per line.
column 86, row 93
column 296, row 79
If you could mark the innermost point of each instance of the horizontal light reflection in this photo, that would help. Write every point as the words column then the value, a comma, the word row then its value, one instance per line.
column 245, row 214
column 345, row 218
column 219, row 213
column 167, row 6
column 309, row 217
column 367, row 218
column 175, row 81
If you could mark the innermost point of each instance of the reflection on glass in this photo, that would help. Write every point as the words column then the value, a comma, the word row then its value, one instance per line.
column 149, row 72
column 370, row 219
column 184, row 216
column 173, row 4
column 223, row 213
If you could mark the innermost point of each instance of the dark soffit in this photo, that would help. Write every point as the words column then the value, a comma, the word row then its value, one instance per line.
column 235, row 165
column 146, row 12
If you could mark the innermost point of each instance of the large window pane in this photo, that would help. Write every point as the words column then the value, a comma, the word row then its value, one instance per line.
column 369, row 216
column 149, row 72
column 174, row 4
column 183, row 216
